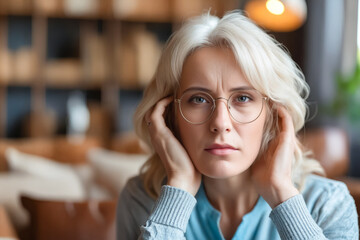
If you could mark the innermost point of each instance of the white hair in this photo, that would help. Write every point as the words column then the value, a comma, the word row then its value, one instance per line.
column 263, row 61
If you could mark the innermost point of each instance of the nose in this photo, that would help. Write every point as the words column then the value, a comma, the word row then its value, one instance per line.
column 220, row 120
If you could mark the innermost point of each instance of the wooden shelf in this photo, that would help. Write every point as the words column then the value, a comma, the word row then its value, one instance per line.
column 104, row 55
column 78, row 75
column 81, row 84
column 157, row 11
column 135, row 18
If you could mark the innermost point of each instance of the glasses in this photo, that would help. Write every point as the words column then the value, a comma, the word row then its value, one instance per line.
column 244, row 106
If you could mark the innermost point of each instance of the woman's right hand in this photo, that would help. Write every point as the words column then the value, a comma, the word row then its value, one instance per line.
column 180, row 170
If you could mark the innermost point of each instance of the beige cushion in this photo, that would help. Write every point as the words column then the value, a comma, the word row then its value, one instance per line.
column 14, row 184
column 38, row 177
column 38, row 166
column 113, row 169
column 94, row 190
column 81, row 175
column 46, row 179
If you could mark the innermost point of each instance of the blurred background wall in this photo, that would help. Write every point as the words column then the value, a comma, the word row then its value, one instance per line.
column 79, row 67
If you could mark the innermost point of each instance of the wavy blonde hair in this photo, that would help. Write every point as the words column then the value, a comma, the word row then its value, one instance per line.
column 264, row 63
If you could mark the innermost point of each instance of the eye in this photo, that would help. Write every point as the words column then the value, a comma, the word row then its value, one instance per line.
column 198, row 99
column 242, row 99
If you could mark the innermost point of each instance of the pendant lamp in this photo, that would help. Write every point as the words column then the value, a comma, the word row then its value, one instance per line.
column 277, row 15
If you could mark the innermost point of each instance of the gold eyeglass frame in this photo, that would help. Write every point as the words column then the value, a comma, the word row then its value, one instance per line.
column 178, row 100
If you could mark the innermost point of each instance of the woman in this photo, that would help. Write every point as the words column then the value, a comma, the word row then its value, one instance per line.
column 221, row 116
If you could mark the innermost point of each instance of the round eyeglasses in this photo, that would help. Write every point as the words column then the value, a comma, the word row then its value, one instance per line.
column 244, row 106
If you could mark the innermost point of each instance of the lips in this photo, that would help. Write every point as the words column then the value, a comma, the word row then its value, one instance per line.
column 220, row 149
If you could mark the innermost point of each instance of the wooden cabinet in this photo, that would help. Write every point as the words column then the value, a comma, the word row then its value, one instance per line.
column 113, row 48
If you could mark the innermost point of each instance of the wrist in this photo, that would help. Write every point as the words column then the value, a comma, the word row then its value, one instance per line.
column 191, row 188
column 279, row 195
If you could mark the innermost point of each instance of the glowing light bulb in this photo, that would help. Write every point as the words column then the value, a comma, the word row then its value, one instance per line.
column 276, row 7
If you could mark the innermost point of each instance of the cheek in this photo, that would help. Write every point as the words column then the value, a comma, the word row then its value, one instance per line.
column 192, row 138
column 189, row 135
column 184, row 129
column 251, row 136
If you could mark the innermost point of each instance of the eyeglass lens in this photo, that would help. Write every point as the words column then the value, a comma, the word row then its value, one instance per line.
column 244, row 106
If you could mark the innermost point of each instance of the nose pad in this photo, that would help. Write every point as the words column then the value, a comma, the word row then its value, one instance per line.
column 225, row 105
column 221, row 118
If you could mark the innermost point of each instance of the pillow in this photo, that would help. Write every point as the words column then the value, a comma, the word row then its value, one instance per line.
column 12, row 185
column 38, row 177
column 80, row 174
column 38, row 166
column 113, row 169
column 36, row 146
column 93, row 189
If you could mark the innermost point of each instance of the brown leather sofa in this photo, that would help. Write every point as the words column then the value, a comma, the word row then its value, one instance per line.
column 7, row 231
column 58, row 220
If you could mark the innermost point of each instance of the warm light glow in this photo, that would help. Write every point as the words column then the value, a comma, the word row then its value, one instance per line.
column 276, row 7
column 276, row 15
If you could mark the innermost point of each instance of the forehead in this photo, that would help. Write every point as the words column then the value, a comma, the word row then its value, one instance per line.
column 212, row 68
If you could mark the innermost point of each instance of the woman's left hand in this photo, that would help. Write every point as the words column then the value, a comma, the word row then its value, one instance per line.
column 271, row 173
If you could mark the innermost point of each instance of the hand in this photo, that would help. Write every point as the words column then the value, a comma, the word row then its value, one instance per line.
column 272, row 172
column 180, row 170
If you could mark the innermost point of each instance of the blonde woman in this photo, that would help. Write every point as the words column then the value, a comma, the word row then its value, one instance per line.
column 221, row 116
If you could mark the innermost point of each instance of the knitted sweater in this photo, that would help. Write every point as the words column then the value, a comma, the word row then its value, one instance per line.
column 324, row 210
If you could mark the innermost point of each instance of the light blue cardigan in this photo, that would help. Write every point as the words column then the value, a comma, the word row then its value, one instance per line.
column 324, row 210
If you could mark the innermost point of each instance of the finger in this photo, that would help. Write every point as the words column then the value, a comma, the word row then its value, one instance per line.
column 287, row 125
column 156, row 117
column 148, row 114
column 287, row 134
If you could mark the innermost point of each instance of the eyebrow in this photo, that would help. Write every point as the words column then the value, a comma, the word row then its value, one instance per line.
column 209, row 91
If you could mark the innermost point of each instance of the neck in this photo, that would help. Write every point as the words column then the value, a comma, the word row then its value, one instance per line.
column 235, row 195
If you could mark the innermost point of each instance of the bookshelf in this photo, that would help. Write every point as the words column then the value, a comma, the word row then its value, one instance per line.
column 109, row 59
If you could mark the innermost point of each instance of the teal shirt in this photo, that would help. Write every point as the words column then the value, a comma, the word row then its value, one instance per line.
column 205, row 219
column 323, row 210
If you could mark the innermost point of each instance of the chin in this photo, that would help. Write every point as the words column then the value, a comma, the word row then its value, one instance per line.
column 222, row 170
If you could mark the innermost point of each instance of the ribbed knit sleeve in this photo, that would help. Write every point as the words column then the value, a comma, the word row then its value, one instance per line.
column 170, row 215
column 293, row 220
